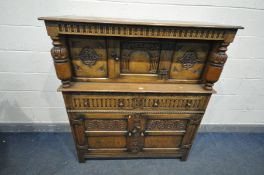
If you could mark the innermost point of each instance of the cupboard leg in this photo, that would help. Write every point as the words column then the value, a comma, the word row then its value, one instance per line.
column 185, row 156
column 81, row 158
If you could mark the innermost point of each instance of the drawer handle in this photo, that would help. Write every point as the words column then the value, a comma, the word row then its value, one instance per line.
column 188, row 105
column 121, row 104
column 130, row 133
column 155, row 104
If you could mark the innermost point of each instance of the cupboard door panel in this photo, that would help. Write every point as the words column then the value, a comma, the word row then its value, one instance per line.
column 189, row 60
column 89, row 57
column 140, row 57
column 167, row 132
column 102, row 132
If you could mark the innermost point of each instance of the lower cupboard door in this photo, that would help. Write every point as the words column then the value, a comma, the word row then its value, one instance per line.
column 97, row 144
column 100, row 132
column 165, row 133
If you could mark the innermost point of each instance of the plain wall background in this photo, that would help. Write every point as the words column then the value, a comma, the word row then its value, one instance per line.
column 27, row 78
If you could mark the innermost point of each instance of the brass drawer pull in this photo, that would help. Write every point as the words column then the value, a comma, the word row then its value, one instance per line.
column 188, row 105
column 155, row 104
column 121, row 104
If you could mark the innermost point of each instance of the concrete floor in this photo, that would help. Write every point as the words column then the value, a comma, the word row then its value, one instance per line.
column 54, row 154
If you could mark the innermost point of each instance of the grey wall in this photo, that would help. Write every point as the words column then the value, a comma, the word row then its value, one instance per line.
column 28, row 83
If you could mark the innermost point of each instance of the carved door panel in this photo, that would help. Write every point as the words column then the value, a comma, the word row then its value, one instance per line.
column 165, row 133
column 138, row 57
column 100, row 132
column 189, row 60
column 89, row 57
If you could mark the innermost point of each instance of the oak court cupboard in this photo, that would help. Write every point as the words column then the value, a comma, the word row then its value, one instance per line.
column 136, row 88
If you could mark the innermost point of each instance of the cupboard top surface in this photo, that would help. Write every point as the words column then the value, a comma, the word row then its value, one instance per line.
column 136, row 88
column 126, row 21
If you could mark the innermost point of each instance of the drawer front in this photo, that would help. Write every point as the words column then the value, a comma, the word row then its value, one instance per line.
column 126, row 101
column 133, row 133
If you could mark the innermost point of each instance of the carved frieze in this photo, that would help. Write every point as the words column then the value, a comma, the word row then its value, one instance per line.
column 141, row 102
column 141, row 31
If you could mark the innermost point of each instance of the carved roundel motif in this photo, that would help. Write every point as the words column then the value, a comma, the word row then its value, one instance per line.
column 89, row 56
column 189, row 59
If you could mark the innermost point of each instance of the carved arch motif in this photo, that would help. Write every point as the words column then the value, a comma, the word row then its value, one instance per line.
column 150, row 50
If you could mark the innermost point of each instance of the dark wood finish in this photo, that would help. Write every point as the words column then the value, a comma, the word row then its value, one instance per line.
column 136, row 88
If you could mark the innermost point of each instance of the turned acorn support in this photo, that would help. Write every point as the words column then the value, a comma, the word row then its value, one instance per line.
column 215, row 65
column 61, row 61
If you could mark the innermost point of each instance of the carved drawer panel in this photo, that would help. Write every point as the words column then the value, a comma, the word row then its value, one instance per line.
column 89, row 57
column 106, row 125
column 189, row 60
column 134, row 101
column 165, row 124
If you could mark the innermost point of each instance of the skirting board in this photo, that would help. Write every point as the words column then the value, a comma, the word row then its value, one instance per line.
column 64, row 127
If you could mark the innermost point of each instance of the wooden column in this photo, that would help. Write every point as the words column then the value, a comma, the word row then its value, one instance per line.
column 215, row 65
column 191, row 131
column 78, row 128
column 61, row 61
